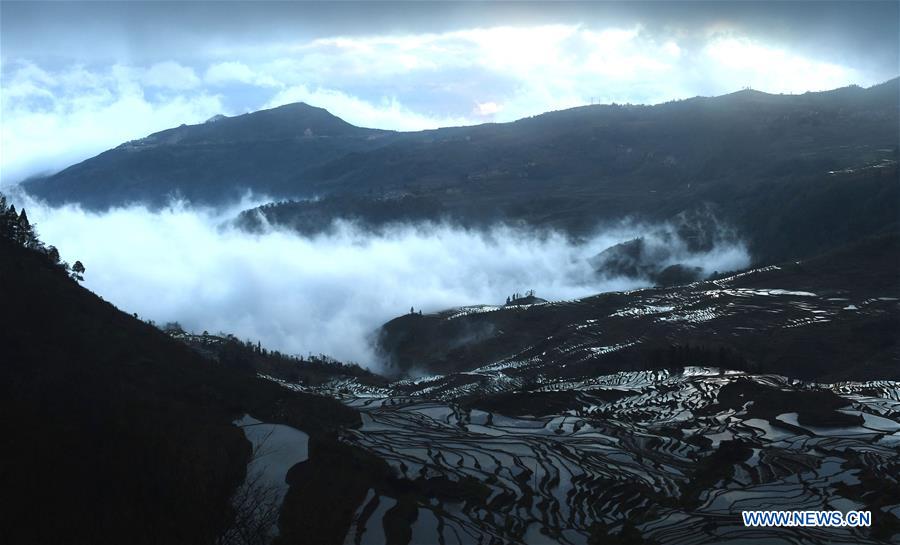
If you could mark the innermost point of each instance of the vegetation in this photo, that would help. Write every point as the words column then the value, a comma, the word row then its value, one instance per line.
column 16, row 228
column 311, row 370
column 114, row 432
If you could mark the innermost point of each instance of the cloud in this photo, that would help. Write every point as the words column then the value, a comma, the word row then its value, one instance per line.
column 769, row 68
column 171, row 75
column 387, row 113
column 226, row 72
column 223, row 73
column 51, row 120
column 531, row 69
column 147, row 32
column 487, row 108
column 324, row 293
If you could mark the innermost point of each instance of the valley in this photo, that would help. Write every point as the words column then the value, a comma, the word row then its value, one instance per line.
column 592, row 435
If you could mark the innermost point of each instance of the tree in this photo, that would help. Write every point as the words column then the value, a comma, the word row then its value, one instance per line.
column 28, row 234
column 53, row 254
column 78, row 271
column 6, row 218
column 255, row 505
column 12, row 227
column 173, row 328
column 24, row 232
column 15, row 226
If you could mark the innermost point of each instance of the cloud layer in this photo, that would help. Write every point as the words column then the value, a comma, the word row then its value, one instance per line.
column 326, row 293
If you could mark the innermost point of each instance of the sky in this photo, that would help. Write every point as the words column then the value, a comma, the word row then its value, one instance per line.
column 80, row 77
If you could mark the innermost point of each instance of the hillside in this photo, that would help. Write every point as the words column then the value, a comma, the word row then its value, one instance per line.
column 651, row 416
column 611, row 151
column 212, row 162
column 113, row 432
column 585, row 421
column 831, row 318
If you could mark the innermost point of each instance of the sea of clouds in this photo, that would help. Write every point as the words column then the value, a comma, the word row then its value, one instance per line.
column 326, row 293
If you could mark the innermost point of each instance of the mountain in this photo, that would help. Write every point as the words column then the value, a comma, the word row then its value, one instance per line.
column 298, row 150
column 794, row 174
column 831, row 318
column 113, row 432
column 215, row 161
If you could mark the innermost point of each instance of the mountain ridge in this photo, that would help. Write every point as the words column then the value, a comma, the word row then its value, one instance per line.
column 271, row 151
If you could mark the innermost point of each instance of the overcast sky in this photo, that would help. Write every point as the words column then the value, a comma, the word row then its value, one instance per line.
column 80, row 77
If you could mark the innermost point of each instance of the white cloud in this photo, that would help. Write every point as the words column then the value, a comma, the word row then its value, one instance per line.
column 388, row 113
column 772, row 69
column 522, row 51
column 223, row 73
column 671, row 48
column 487, row 108
column 50, row 122
column 171, row 75
column 300, row 294
column 226, row 72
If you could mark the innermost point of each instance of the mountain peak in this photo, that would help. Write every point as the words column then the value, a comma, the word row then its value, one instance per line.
column 217, row 117
column 297, row 119
column 298, row 107
column 290, row 121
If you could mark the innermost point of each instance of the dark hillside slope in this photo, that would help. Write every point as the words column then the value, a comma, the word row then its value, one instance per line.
column 805, row 215
column 216, row 161
column 792, row 217
column 831, row 318
column 625, row 148
column 112, row 431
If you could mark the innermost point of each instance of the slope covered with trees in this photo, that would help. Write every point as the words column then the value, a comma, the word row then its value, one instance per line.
column 567, row 168
column 113, row 432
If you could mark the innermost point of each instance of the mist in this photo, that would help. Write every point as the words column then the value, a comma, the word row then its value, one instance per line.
column 326, row 293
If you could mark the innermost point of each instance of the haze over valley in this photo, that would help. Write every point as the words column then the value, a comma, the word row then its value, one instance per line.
column 328, row 293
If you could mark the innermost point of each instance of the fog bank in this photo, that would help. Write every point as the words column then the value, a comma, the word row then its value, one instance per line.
column 325, row 293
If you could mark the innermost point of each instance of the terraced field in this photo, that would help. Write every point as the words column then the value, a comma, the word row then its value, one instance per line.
column 650, row 416
column 673, row 453
column 834, row 318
